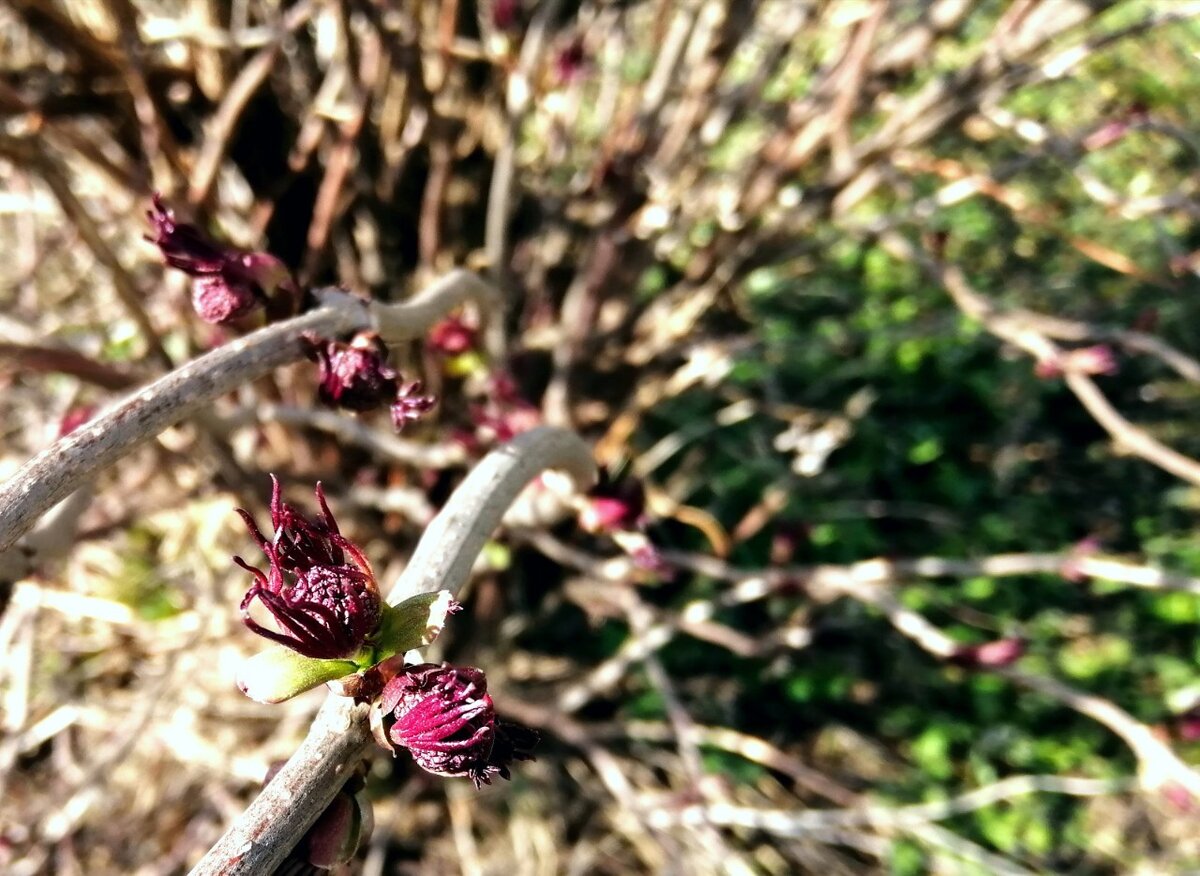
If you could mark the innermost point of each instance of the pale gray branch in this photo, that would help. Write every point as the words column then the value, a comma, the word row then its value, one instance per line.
column 55, row 472
column 412, row 318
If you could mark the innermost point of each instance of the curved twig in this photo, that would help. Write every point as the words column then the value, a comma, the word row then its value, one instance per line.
column 349, row 430
column 57, row 471
column 449, row 546
column 395, row 322
column 272, row 825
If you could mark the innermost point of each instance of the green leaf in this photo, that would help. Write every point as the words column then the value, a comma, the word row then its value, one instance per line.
column 279, row 673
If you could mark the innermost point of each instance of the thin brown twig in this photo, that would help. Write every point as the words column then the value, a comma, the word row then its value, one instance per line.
column 55, row 176
column 220, row 129
column 1023, row 333
column 60, row 360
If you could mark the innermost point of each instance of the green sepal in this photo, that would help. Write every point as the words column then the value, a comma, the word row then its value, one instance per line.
column 279, row 673
column 413, row 623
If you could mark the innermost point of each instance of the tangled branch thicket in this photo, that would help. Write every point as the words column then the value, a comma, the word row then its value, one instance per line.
column 879, row 316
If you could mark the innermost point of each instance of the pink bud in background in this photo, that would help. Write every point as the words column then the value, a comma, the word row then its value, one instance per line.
column 452, row 336
column 989, row 655
column 570, row 61
column 74, row 418
column 506, row 14
column 1112, row 131
column 1095, row 360
column 613, row 505
column 1083, row 549
column 1179, row 797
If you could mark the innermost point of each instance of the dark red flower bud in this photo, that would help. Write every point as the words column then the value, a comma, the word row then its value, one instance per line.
column 183, row 245
column 354, row 376
column 410, row 405
column 218, row 301
column 337, row 834
column 446, row 719
column 570, row 61
column 229, row 283
column 324, row 606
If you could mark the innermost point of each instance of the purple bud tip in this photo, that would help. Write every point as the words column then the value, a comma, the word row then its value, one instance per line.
column 183, row 245
column 446, row 719
column 318, row 588
column 410, row 405
column 354, row 376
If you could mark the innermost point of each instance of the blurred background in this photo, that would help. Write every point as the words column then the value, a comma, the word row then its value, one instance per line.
column 880, row 315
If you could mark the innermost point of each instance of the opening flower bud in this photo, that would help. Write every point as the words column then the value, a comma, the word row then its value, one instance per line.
column 446, row 719
column 318, row 588
column 230, row 284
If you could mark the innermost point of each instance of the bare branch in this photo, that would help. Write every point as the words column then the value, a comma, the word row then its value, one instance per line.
column 1021, row 332
column 790, row 823
column 408, row 319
